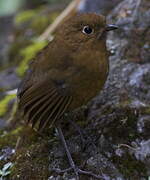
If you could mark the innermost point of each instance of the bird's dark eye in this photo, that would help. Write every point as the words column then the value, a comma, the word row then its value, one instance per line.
column 87, row 30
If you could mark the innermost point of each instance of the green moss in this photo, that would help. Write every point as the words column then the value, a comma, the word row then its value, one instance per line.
column 28, row 53
column 54, row 15
column 9, row 138
column 4, row 103
column 35, row 20
column 128, row 165
column 32, row 157
column 16, row 131
column 44, row 22
column 146, row 110
column 30, row 25
column 24, row 16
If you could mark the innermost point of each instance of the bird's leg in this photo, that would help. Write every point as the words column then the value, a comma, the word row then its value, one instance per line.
column 72, row 164
column 85, row 139
column 78, row 130
column 75, row 115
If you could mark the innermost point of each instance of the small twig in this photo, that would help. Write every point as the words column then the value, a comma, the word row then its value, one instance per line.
column 66, row 12
column 13, row 112
column 18, row 143
column 126, row 145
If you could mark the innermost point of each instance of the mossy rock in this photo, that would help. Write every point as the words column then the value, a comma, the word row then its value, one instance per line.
column 24, row 17
column 4, row 103
column 31, row 160
column 34, row 20
column 9, row 139
column 29, row 25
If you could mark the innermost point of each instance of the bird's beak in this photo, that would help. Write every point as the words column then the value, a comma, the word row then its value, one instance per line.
column 111, row 27
column 108, row 27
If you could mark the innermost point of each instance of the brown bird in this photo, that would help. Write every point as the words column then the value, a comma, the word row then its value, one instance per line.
column 66, row 74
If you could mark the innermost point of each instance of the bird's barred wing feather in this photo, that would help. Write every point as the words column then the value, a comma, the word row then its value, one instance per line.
column 43, row 104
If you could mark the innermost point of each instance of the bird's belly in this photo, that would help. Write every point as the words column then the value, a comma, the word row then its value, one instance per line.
column 85, row 87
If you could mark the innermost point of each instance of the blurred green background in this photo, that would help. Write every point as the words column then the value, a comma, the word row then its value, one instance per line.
column 9, row 7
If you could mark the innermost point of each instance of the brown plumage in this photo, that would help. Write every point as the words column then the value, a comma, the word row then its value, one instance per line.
column 68, row 72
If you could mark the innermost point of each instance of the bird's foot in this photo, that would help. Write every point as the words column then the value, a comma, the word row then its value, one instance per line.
column 85, row 139
column 77, row 171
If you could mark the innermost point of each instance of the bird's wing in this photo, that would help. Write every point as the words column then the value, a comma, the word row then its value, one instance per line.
column 42, row 103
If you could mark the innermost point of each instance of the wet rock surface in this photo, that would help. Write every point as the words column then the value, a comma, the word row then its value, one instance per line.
column 9, row 79
column 98, row 6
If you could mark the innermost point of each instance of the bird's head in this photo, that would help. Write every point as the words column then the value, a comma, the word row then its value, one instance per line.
column 84, row 28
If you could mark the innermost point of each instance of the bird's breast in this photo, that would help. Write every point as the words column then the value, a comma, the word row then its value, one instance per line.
column 84, row 85
column 80, row 77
